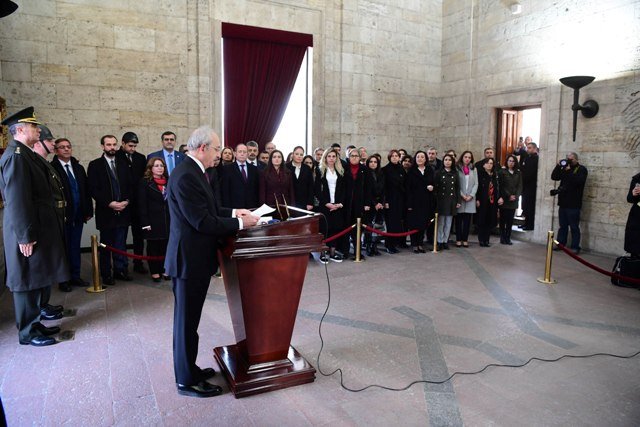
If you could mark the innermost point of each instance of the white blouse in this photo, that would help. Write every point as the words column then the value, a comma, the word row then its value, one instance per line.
column 332, row 180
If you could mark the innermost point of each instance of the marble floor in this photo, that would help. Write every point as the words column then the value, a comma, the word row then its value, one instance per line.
column 393, row 320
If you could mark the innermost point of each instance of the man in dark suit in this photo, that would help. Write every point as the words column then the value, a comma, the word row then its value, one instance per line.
column 529, row 168
column 79, row 208
column 137, row 163
column 110, row 186
column 33, row 228
column 240, row 184
column 171, row 157
column 196, row 225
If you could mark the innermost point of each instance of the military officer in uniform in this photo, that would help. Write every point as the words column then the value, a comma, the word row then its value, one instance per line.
column 34, row 242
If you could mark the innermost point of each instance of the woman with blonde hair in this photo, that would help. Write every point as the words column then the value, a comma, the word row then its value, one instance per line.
column 330, row 192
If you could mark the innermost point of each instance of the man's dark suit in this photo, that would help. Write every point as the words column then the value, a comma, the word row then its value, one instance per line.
column 75, row 215
column 236, row 193
column 137, row 164
column 178, row 158
column 196, row 224
column 112, row 224
column 529, row 168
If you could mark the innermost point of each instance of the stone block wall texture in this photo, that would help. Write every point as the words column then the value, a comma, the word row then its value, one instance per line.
column 386, row 74
column 492, row 59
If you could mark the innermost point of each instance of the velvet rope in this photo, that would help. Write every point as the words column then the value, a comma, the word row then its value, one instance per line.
column 127, row 254
column 338, row 235
column 384, row 233
column 596, row 268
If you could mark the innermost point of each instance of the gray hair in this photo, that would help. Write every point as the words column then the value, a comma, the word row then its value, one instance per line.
column 252, row 144
column 575, row 155
column 13, row 129
column 199, row 137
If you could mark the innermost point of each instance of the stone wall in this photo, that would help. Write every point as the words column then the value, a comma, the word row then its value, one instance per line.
column 492, row 59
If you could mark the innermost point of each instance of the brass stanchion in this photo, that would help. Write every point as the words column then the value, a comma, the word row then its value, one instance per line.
column 97, row 285
column 435, row 234
column 547, row 265
column 358, row 241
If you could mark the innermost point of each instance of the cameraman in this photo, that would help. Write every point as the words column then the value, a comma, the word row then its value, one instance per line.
column 572, row 176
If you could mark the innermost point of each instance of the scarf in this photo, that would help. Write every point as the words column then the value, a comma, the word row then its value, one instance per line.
column 160, row 183
column 354, row 171
column 466, row 170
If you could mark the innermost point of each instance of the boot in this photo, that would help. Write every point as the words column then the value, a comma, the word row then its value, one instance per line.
column 374, row 248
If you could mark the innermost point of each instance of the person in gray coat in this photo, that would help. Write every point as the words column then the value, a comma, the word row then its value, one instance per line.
column 33, row 228
column 510, row 190
column 468, row 180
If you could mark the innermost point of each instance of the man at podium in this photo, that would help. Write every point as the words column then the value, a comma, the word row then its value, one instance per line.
column 197, row 222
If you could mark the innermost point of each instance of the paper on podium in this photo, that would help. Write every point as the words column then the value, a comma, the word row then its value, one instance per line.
column 262, row 210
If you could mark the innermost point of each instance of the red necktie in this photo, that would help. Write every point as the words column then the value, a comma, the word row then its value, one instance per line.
column 244, row 172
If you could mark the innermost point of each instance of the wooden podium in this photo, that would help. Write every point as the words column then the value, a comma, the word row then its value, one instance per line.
column 263, row 269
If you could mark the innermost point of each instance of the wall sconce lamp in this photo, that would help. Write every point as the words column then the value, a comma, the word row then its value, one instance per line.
column 7, row 7
column 589, row 108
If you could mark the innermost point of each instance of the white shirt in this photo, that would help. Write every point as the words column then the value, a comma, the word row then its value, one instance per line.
column 332, row 180
column 64, row 168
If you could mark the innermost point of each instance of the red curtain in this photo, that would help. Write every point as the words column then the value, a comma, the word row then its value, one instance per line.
column 260, row 70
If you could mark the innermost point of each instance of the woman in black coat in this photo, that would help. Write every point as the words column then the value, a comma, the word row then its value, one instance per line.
column 487, row 201
column 419, row 191
column 302, row 176
column 330, row 191
column 358, row 196
column 375, row 216
column 394, row 177
column 154, row 213
column 510, row 181
column 632, row 230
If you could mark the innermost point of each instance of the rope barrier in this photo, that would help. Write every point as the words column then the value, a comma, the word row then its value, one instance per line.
column 134, row 256
column 595, row 267
column 387, row 234
column 340, row 234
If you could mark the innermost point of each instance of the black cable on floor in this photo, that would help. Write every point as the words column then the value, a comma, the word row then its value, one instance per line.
column 450, row 377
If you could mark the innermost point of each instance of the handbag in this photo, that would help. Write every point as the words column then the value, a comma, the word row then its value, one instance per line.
column 629, row 267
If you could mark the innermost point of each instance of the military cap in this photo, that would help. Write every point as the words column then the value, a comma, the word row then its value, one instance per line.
column 23, row 116
column 7, row 7
column 129, row 137
column 45, row 133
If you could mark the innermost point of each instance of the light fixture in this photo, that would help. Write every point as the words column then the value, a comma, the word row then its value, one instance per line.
column 7, row 7
column 589, row 108
column 516, row 8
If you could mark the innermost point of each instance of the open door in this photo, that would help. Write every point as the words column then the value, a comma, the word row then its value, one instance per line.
column 509, row 129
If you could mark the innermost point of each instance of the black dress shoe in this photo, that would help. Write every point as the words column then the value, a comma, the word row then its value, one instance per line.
column 65, row 287
column 445, row 246
column 50, row 316
column 207, row 373
column 202, row 389
column 39, row 341
column 108, row 281
column 39, row 327
column 79, row 283
column 157, row 279
column 121, row 275
column 139, row 268
column 165, row 277
column 52, row 308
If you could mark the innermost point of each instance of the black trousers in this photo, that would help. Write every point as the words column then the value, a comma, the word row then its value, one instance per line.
column 484, row 233
column 463, row 222
column 157, row 247
column 417, row 239
column 506, row 222
column 189, row 296
column 27, row 307
column 529, row 205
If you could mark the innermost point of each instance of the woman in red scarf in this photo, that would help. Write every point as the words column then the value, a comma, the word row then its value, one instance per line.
column 487, row 201
column 154, row 213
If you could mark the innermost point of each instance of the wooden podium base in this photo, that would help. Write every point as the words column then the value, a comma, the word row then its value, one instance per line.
column 246, row 380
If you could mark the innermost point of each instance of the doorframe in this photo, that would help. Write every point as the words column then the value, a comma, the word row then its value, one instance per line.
column 548, row 99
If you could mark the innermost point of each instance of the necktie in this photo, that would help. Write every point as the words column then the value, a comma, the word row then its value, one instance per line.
column 170, row 164
column 113, row 169
column 129, row 157
column 72, row 179
column 244, row 172
column 75, row 191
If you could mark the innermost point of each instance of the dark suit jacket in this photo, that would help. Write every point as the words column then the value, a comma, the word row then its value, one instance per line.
column 196, row 224
column 137, row 165
column 86, row 204
column 102, row 192
column 302, row 186
column 31, row 192
column 235, row 192
column 153, row 210
column 178, row 157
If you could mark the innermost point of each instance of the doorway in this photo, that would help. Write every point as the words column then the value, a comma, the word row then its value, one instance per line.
column 514, row 125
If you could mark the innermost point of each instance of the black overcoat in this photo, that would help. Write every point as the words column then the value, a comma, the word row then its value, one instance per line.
column 86, row 204
column 447, row 189
column 103, row 193
column 394, row 177
column 632, row 230
column 33, row 212
column 153, row 210
column 487, row 213
column 419, row 198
